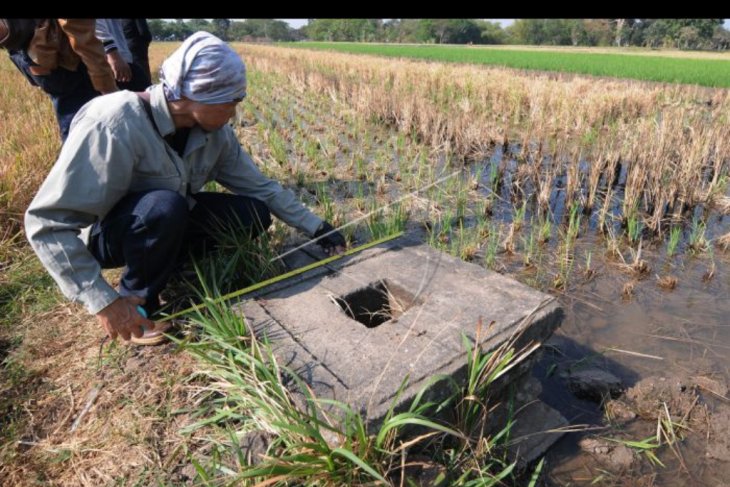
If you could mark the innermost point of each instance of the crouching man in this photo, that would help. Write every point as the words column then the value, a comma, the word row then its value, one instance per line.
column 126, row 189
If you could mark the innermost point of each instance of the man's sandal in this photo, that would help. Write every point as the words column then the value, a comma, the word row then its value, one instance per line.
column 153, row 337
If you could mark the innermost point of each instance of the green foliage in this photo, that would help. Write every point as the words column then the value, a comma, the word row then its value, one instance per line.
column 674, row 236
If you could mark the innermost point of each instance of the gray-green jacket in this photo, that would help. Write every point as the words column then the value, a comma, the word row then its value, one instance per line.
column 114, row 149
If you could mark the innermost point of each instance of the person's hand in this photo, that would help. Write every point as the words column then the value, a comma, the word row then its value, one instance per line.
column 122, row 71
column 333, row 242
column 121, row 318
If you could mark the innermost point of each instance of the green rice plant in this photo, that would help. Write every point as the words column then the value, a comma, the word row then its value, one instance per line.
column 634, row 227
column 519, row 216
column 325, row 201
column 277, row 147
column 387, row 220
column 697, row 241
column 466, row 243
column 491, row 247
column 530, row 247
column 674, row 235
column 311, row 150
column 462, row 200
column 361, row 169
column 573, row 225
column 545, row 231
column 705, row 72
column 494, row 177
column 440, row 233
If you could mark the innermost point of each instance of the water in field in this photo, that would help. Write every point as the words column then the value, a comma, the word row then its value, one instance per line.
column 668, row 317
column 625, row 322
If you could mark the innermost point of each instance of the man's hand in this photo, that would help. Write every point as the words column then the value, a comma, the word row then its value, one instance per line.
column 333, row 243
column 122, row 318
column 122, row 71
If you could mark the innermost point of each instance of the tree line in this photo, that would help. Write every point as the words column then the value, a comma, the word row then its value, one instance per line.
column 654, row 33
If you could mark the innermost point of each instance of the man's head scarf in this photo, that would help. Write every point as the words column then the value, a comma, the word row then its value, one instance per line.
column 204, row 69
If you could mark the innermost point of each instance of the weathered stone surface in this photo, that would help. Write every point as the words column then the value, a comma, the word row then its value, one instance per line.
column 431, row 299
column 536, row 428
column 594, row 384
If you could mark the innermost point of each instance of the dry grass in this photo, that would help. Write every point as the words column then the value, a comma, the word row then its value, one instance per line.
column 667, row 282
column 130, row 430
column 129, row 433
column 29, row 142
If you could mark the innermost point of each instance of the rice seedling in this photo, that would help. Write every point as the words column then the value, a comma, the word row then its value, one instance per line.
column 491, row 247
column 674, row 236
column 573, row 225
column 325, row 201
column 545, row 231
column 588, row 271
column 565, row 268
column 386, row 221
column 634, row 227
column 697, row 241
column 530, row 246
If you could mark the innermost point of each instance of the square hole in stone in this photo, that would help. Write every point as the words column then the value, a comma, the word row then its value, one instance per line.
column 376, row 303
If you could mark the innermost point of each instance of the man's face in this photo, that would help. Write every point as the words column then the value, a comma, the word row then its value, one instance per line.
column 213, row 117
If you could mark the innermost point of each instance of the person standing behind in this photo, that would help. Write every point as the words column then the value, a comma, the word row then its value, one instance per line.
column 66, row 60
column 129, row 75
column 139, row 37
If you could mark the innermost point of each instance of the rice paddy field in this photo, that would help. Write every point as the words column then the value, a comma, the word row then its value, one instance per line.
column 705, row 69
column 609, row 193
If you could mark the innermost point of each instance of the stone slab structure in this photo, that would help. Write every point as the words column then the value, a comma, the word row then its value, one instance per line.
column 355, row 328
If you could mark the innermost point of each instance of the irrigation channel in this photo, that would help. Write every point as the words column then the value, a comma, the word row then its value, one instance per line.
column 618, row 208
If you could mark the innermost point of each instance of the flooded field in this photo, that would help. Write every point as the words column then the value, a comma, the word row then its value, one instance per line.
column 631, row 244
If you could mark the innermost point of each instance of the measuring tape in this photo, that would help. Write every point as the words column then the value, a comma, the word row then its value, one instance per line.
column 281, row 277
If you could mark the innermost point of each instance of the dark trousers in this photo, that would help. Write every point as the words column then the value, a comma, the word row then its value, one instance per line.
column 139, row 81
column 69, row 90
column 140, row 57
column 149, row 232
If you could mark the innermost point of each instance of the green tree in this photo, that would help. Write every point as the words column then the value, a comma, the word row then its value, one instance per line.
column 491, row 32
column 220, row 28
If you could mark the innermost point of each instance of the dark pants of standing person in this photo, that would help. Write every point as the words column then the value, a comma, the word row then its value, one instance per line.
column 139, row 82
column 140, row 57
column 69, row 90
column 148, row 231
